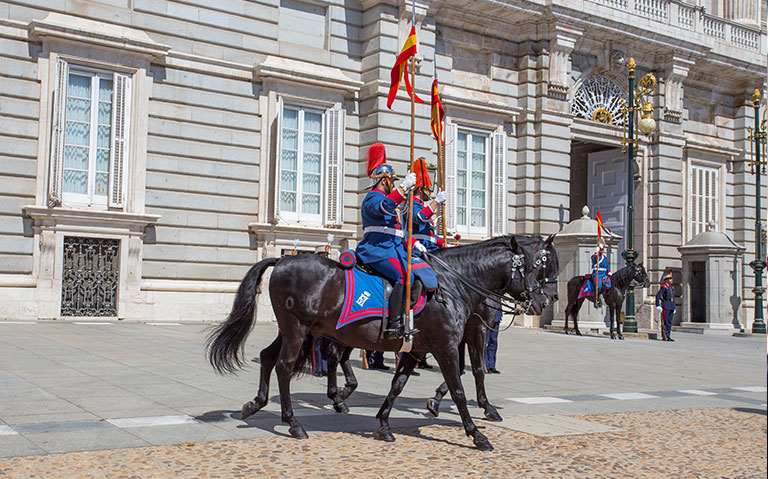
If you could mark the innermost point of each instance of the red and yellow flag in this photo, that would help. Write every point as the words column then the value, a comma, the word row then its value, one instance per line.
column 600, row 225
column 437, row 114
column 400, row 70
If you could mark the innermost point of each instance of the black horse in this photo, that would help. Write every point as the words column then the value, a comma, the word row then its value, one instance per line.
column 614, row 296
column 478, row 323
column 307, row 294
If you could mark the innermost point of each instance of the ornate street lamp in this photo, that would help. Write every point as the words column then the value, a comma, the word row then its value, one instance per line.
column 758, row 168
column 638, row 101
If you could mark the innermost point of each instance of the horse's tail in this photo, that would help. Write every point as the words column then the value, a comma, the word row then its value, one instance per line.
column 226, row 343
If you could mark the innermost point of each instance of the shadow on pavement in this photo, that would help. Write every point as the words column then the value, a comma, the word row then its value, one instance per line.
column 761, row 412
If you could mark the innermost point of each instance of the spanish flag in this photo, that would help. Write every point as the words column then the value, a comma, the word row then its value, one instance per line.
column 401, row 69
column 437, row 114
column 600, row 225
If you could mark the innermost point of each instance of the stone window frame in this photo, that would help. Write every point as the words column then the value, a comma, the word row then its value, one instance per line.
column 719, row 170
column 496, row 182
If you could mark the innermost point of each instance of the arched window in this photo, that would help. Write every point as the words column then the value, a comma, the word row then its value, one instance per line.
column 599, row 99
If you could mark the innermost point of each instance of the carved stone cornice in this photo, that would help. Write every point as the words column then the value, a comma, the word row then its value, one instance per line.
column 62, row 27
column 563, row 39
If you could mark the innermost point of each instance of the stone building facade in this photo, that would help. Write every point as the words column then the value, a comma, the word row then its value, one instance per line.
column 151, row 151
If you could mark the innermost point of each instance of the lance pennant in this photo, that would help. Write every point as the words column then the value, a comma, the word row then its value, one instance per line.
column 400, row 70
column 437, row 114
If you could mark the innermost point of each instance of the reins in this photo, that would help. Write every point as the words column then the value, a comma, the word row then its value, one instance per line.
column 504, row 303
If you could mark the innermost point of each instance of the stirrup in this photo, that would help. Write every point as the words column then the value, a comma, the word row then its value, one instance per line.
column 394, row 329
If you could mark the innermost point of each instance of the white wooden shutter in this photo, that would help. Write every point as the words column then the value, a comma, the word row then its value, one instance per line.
column 451, row 134
column 335, row 121
column 278, row 157
column 499, row 181
column 118, row 156
column 57, row 133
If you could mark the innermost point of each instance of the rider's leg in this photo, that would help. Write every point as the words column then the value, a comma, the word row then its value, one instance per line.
column 395, row 317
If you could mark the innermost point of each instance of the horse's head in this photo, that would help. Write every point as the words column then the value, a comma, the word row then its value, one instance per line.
column 640, row 276
column 541, row 268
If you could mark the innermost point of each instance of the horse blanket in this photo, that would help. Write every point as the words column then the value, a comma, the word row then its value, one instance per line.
column 364, row 298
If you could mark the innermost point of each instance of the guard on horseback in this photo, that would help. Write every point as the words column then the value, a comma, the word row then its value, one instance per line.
column 600, row 279
column 383, row 245
column 423, row 227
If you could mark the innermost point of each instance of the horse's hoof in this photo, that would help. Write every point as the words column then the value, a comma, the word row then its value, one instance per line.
column 433, row 407
column 345, row 393
column 493, row 415
column 248, row 409
column 340, row 407
column 567, row 333
column 298, row 432
column 482, row 443
column 621, row 337
column 383, row 434
column 578, row 333
column 613, row 337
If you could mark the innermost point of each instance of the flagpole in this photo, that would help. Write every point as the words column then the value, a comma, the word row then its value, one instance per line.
column 442, row 178
column 409, row 243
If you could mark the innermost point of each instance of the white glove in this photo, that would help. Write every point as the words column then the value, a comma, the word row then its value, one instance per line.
column 658, row 308
column 441, row 197
column 408, row 182
column 419, row 247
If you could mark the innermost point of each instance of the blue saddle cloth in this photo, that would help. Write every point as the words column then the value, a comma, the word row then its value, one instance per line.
column 588, row 286
column 364, row 298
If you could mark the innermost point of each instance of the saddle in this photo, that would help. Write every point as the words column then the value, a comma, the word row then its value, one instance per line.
column 367, row 292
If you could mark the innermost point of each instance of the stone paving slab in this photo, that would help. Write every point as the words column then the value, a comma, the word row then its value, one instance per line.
column 680, row 444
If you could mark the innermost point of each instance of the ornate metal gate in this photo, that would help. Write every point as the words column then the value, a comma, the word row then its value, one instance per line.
column 90, row 277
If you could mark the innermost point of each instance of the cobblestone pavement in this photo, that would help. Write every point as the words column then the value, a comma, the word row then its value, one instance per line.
column 113, row 399
column 703, row 443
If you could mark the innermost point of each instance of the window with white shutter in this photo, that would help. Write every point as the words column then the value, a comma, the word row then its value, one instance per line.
column 499, row 181
column 335, row 119
column 89, row 139
column 703, row 198
column 310, row 164
column 450, row 177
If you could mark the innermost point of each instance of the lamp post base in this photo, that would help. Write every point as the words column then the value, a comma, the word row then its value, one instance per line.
column 758, row 327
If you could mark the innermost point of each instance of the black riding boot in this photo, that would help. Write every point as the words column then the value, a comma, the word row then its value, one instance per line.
column 395, row 318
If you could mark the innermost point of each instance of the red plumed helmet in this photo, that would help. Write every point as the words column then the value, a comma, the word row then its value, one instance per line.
column 377, row 156
column 422, row 174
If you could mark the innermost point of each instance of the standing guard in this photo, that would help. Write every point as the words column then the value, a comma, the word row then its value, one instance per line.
column 665, row 304
column 383, row 247
column 423, row 229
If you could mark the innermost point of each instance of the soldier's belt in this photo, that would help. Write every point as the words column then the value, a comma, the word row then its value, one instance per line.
column 425, row 238
column 386, row 230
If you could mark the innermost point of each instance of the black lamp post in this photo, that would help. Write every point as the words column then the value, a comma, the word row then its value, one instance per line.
column 758, row 168
column 646, row 125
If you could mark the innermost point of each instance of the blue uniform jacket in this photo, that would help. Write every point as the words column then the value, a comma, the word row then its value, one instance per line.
column 378, row 210
column 422, row 225
column 666, row 297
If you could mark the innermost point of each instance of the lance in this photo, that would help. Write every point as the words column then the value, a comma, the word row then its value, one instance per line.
column 440, row 141
column 409, row 244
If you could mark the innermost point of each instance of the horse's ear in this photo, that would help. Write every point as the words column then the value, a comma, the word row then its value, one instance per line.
column 640, row 264
column 550, row 239
column 513, row 243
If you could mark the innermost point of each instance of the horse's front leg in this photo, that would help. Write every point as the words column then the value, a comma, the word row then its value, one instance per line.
column 267, row 360
column 449, row 365
column 293, row 339
column 333, row 353
column 610, row 321
column 404, row 368
column 618, row 323
column 568, row 310
column 476, row 344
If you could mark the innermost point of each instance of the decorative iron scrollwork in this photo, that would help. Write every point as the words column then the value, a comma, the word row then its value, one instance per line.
column 90, row 276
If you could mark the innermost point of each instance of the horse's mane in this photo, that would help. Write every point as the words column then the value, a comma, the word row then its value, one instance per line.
column 623, row 276
column 473, row 260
